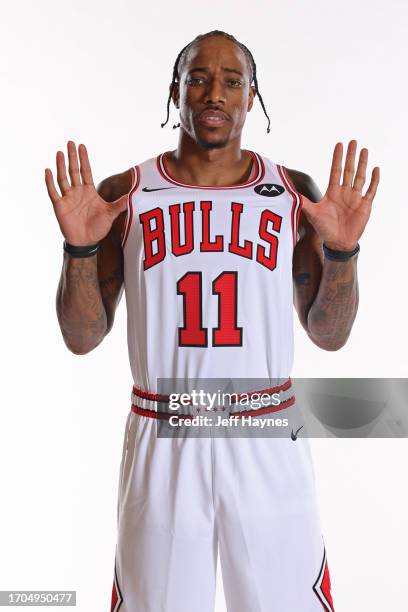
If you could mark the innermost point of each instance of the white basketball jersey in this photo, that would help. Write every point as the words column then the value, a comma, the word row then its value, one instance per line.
column 208, row 275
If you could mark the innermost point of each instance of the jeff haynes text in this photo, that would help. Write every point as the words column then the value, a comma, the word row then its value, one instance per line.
column 232, row 420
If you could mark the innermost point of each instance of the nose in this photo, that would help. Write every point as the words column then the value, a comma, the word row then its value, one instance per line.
column 215, row 91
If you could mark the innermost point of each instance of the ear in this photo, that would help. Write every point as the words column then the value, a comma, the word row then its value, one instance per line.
column 251, row 96
column 175, row 95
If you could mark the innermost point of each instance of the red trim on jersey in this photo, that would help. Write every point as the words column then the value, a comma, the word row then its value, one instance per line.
column 256, row 176
column 285, row 170
column 267, row 409
column 296, row 198
column 135, row 184
column 157, row 397
column 114, row 599
column 117, row 598
column 254, row 169
column 322, row 586
column 156, row 414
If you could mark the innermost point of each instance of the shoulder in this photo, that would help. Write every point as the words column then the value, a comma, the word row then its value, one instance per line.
column 110, row 189
column 307, row 187
column 115, row 186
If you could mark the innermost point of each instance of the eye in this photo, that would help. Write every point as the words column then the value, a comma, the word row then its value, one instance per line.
column 194, row 80
column 235, row 83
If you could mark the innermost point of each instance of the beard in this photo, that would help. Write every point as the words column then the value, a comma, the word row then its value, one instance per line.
column 208, row 144
column 204, row 140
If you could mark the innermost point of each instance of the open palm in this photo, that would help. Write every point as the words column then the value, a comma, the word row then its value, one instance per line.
column 83, row 216
column 342, row 214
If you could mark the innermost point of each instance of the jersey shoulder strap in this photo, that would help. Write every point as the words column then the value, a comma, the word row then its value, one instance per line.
column 141, row 174
column 297, row 199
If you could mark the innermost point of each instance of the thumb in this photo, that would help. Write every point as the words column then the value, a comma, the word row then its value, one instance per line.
column 118, row 206
column 309, row 208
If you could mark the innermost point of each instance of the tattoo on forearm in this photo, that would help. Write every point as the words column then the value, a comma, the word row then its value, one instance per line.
column 303, row 278
column 333, row 311
column 80, row 309
column 112, row 281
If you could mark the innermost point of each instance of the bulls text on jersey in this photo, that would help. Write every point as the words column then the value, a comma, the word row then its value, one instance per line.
column 152, row 222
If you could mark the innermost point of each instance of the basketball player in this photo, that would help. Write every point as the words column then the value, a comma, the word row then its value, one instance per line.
column 208, row 241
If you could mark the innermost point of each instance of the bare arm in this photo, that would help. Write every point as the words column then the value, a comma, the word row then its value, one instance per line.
column 326, row 292
column 80, row 310
column 89, row 288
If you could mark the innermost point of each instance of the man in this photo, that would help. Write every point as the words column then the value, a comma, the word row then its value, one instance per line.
column 205, row 239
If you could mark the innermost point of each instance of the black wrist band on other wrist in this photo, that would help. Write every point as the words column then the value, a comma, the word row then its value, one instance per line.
column 81, row 251
column 340, row 255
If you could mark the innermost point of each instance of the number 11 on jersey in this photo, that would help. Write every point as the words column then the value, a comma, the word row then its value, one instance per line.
column 227, row 333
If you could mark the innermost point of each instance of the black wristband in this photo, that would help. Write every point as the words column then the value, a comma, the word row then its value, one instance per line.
column 81, row 251
column 340, row 255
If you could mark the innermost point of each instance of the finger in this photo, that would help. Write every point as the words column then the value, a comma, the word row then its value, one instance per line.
column 52, row 192
column 360, row 177
column 85, row 170
column 61, row 173
column 73, row 167
column 372, row 189
column 335, row 172
column 349, row 166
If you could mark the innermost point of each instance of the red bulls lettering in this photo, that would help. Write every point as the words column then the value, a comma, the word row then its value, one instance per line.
column 174, row 211
column 154, row 237
column 234, row 247
column 206, row 244
column 268, row 260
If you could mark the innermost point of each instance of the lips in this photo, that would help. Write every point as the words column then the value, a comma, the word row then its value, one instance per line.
column 212, row 117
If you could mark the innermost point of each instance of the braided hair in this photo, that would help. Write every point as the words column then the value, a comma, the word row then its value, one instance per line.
column 181, row 56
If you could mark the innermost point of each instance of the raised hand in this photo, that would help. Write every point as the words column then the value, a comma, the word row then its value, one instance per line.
column 83, row 216
column 342, row 214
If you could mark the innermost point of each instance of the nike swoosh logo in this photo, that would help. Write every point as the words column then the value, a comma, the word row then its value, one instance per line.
column 156, row 189
column 295, row 435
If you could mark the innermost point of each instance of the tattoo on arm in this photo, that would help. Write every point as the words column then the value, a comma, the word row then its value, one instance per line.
column 111, row 281
column 303, row 278
column 326, row 292
column 90, row 288
column 111, row 289
column 332, row 313
column 80, row 309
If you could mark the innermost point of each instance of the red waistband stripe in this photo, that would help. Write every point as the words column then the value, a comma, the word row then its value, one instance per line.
column 155, row 414
column 157, row 397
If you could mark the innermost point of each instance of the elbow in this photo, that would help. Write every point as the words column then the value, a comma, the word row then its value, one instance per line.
column 79, row 350
column 326, row 334
column 328, row 344
column 81, row 346
column 82, row 337
column 333, row 347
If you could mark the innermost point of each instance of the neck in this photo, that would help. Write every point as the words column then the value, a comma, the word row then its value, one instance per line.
column 191, row 163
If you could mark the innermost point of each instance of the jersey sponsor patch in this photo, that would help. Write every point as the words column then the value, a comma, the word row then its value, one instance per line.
column 270, row 190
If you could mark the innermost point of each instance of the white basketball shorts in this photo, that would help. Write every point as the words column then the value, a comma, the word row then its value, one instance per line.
column 182, row 499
